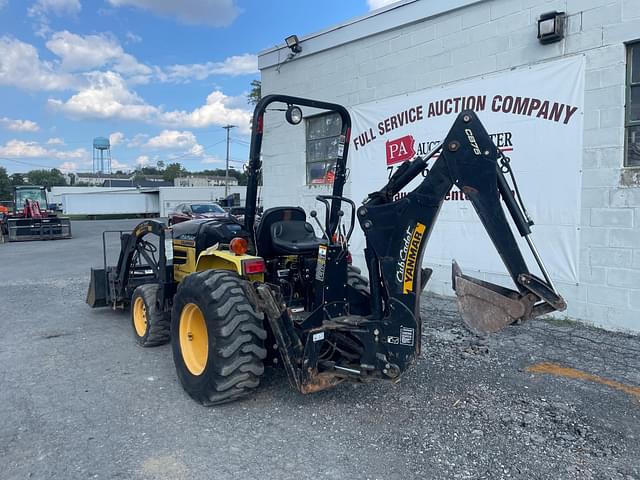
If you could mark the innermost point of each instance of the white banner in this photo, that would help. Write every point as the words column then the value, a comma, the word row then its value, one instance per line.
column 535, row 116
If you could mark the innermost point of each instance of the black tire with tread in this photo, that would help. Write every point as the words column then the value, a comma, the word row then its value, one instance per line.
column 358, row 292
column 236, row 337
column 158, row 322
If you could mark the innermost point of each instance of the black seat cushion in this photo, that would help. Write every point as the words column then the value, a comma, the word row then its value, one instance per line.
column 270, row 216
column 294, row 238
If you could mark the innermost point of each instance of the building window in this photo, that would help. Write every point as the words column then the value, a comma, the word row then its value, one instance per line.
column 323, row 134
column 632, row 123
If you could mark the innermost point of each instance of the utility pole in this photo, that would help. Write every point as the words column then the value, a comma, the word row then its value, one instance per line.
column 226, row 173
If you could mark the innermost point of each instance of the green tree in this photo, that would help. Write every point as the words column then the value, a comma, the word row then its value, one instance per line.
column 172, row 171
column 46, row 178
column 160, row 165
column 138, row 177
column 5, row 185
column 17, row 179
column 150, row 171
column 255, row 94
column 220, row 172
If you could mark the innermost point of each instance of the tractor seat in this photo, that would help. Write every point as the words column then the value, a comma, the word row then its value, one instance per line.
column 294, row 237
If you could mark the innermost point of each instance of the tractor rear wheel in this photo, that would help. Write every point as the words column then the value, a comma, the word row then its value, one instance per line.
column 217, row 337
column 150, row 324
column 358, row 293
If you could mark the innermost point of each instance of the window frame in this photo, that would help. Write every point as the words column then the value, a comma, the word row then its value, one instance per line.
column 307, row 140
column 629, row 84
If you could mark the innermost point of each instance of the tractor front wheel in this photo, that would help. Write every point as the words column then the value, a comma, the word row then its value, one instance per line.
column 150, row 324
column 217, row 337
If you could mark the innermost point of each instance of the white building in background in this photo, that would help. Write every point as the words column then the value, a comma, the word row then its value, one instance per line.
column 567, row 113
column 98, row 179
column 204, row 181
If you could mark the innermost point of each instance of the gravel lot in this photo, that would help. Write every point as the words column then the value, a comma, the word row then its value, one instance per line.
column 78, row 399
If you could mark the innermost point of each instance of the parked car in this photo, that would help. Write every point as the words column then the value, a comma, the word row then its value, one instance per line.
column 189, row 211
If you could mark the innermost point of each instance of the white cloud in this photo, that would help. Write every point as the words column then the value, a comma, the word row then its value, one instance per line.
column 133, row 38
column 217, row 110
column 116, row 138
column 21, row 66
column 138, row 140
column 22, row 149
column 82, row 53
column 108, row 96
column 184, row 141
column 74, row 166
column 217, row 13
column 245, row 64
column 55, row 141
column 375, row 4
column 117, row 165
column 172, row 139
column 67, row 167
column 143, row 160
column 59, row 7
column 41, row 9
column 3, row 3
column 19, row 125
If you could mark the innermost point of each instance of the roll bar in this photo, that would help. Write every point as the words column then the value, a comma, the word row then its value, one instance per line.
column 255, row 163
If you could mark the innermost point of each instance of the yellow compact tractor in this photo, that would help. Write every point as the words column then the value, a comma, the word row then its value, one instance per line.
column 233, row 297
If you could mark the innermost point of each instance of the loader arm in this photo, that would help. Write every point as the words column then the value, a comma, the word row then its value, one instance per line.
column 397, row 232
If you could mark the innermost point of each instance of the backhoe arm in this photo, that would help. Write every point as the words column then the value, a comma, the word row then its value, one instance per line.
column 397, row 232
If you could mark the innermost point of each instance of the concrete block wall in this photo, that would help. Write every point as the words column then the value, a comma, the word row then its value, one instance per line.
column 485, row 37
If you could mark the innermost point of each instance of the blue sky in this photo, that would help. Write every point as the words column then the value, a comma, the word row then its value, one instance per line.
column 159, row 77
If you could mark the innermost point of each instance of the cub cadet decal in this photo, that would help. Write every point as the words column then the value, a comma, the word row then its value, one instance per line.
column 406, row 268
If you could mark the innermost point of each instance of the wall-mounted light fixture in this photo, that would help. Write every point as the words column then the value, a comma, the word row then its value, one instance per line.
column 551, row 27
column 293, row 43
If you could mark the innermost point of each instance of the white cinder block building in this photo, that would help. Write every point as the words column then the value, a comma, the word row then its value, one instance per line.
column 567, row 113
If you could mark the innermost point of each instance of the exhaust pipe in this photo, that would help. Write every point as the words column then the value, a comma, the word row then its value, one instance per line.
column 488, row 308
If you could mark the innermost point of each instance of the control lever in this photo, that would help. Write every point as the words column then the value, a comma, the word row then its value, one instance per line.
column 314, row 215
column 324, row 199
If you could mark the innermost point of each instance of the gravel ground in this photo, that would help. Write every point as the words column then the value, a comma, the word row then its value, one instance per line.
column 78, row 399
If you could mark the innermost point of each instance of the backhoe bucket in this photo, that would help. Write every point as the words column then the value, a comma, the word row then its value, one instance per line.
column 488, row 308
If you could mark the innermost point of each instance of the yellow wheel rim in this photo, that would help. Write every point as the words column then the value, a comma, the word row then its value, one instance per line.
column 194, row 339
column 140, row 317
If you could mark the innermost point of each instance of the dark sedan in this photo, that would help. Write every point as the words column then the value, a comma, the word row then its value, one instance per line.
column 189, row 211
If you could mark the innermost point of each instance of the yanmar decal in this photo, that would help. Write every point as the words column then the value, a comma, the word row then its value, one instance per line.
column 408, row 258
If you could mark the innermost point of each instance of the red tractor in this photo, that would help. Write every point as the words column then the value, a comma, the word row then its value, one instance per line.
column 31, row 218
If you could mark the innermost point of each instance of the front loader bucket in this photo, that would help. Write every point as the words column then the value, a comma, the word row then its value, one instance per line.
column 488, row 308
column 47, row 228
column 97, row 293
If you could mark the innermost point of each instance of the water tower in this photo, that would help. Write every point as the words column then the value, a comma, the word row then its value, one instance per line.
column 101, row 155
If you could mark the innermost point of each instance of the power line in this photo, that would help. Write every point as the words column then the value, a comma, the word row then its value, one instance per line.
column 187, row 154
column 30, row 164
